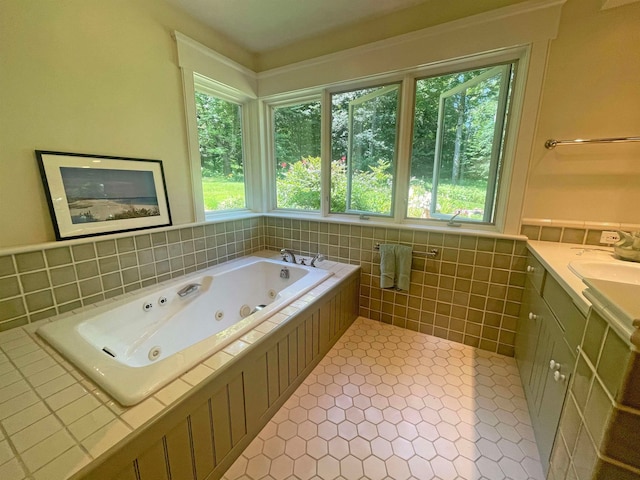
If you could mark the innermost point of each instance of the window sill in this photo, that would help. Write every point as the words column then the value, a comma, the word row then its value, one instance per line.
column 478, row 231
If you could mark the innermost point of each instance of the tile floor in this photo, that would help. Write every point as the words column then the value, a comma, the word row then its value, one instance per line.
column 390, row 403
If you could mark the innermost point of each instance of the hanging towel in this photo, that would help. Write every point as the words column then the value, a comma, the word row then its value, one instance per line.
column 403, row 266
column 387, row 266
column 395, row 266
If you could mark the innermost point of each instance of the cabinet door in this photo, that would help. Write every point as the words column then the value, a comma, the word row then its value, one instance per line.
column 527, row 335
column 553, row 390
column 546, row 338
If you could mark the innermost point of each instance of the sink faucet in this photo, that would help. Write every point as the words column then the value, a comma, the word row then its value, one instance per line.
column 286, row 253
column 188, row 289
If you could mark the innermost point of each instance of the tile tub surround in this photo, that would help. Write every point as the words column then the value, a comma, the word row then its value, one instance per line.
column 387, row 403
column 38, row 283
column 53, row 421
column 469, row 294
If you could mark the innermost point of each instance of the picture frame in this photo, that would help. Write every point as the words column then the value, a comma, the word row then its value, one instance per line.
column 98, row 195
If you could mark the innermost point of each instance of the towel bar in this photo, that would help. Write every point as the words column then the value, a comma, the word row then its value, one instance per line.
column 433, row 253
column 552, row 143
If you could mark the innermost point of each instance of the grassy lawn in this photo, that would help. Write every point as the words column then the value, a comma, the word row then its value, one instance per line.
column 220, row 194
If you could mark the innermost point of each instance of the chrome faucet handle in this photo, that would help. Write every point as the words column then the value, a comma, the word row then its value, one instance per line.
column 318, row 257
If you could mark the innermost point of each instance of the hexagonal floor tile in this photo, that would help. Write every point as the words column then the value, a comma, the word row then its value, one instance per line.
column 388, row 403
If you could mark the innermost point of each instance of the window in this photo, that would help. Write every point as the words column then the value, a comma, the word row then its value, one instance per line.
column 364, row 131
column 296, row 132
column 450, row 164
column 458, row 132
column 220, row 140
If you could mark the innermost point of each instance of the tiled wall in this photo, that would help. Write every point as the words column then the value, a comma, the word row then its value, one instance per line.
column 469, row 294
column 600, row 426
column 568, row 231
column 42, row 283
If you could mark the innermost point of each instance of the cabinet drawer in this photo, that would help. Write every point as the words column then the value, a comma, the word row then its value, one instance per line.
column 570, row 318
column 535, row 272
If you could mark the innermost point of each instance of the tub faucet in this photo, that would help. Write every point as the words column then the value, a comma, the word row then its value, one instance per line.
column 318, row 257
column 188, row 289
column 286, row 253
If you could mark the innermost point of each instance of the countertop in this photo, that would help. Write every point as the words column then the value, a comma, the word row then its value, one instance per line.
column 556, row 258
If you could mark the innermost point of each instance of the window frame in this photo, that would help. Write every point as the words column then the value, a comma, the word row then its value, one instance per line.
column 509, row 69
column 205, row 86
column 192, row 82
column 268, row 142
column 519, row 56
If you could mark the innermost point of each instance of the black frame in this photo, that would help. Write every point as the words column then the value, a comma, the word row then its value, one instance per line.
column 146, row 174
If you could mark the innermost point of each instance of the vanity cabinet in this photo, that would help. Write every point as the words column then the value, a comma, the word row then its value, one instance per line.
column 549, row 329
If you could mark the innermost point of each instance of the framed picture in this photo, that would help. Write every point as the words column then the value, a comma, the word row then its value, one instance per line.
column 97, row 195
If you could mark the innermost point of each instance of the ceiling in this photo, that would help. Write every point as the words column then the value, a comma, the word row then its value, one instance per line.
column 263, row 25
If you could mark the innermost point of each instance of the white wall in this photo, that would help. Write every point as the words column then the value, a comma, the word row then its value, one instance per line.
column 592, row 90
column 90, row 76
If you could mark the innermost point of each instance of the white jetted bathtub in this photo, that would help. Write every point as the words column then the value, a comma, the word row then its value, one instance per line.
column 133, row 348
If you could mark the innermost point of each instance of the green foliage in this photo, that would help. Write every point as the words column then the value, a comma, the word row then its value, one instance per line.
column 298, row 184
column 371, row 191
column 220, row 137
column 297, row 132
column 467, row 136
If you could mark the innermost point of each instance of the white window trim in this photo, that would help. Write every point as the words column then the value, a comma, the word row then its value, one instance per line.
column 198, row 66
column 527, row 27
column 509, row 202
column 268, row 152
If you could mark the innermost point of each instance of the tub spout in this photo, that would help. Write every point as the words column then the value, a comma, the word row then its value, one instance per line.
column 192, row 287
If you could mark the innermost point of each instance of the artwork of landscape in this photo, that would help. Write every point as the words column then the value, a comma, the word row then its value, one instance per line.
column 99, row 195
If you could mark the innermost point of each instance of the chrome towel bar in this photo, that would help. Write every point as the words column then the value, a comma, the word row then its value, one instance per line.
column 551, row 143
column 433, row 253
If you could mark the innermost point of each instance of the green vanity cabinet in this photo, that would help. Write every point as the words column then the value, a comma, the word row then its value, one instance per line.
column 549, row 328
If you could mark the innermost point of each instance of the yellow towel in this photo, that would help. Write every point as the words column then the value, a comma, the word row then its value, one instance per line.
column 395, row 266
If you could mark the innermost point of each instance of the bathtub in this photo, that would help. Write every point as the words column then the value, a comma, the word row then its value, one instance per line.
column 133, row 347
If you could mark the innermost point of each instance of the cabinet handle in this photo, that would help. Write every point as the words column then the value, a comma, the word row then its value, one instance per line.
column 553, row 365
column 533, row 316
column 531, row 268
column 558, row 377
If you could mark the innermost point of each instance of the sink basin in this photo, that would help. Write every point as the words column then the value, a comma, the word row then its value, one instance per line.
column 617, row 271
